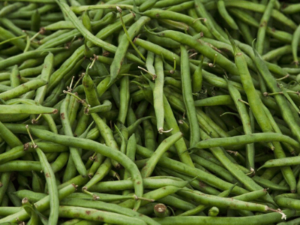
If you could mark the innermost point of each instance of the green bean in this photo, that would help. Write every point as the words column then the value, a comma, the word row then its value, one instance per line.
column 269, row 184
column 153, row 195
column 130, row 152
column 158, row 89
column 20, row 166
column 61, row 39
column 22, row 89
column 215, row 100
column 12, row 27
column 213, row 212
column 165, row 42
column 161, row 211
column 188, row 97
column 211, row 23
column 197, row 78
column 14, row 77
column 200, row 208
column 99, row 42
column 79, row 9
column 41, row 205
column 263, row 25
column 290, row 9
column 150, row 142
column 123, row 46
column 245, row 31
column 100, row 174
column 107, row 135
column 181, row 7
column 124, row 99
column 258, row 110
column 163, row 147
column 14, row 153
column 53, row 192
column 5, row 211
column 166, row 3
column 24, row 56
column 162, row 14
column 92, row 214
column 105, row 107
column 150, row 183
column 216, row 169
column 276, row 53
column 98, row 159
column 4, row 185
column 25, row 109
column 37, row 182
column 53, row 98
column 250, row 151
column 10, row 8
column 246, row 139
column 202, row 48
column 60, row 25
column 295, row 43
column 287, row 161
column 193, row 172
column 251, row 220
column 102, row 149
column 260, row 8
column 9, row 137
column 180, row 144
column 288, row 201
column 282, row 36
column 72, row 110
column 89, row 89
column 231, row 167
column 223, row 12
column 147, row 5
column 35, row 21
column 68, row 131
column 107, row 207
column 223, row 202
column 27, row 13
column 46, row 73
column 291, row 222
column 112, row 28
column 8, row 36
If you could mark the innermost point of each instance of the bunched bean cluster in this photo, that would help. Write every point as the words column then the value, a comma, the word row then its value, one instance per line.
column 150, row 112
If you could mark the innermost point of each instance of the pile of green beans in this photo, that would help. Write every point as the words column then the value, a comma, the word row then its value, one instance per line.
column 149, row 112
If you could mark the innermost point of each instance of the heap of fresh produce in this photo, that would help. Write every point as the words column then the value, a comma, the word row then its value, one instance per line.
column 153, row 112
